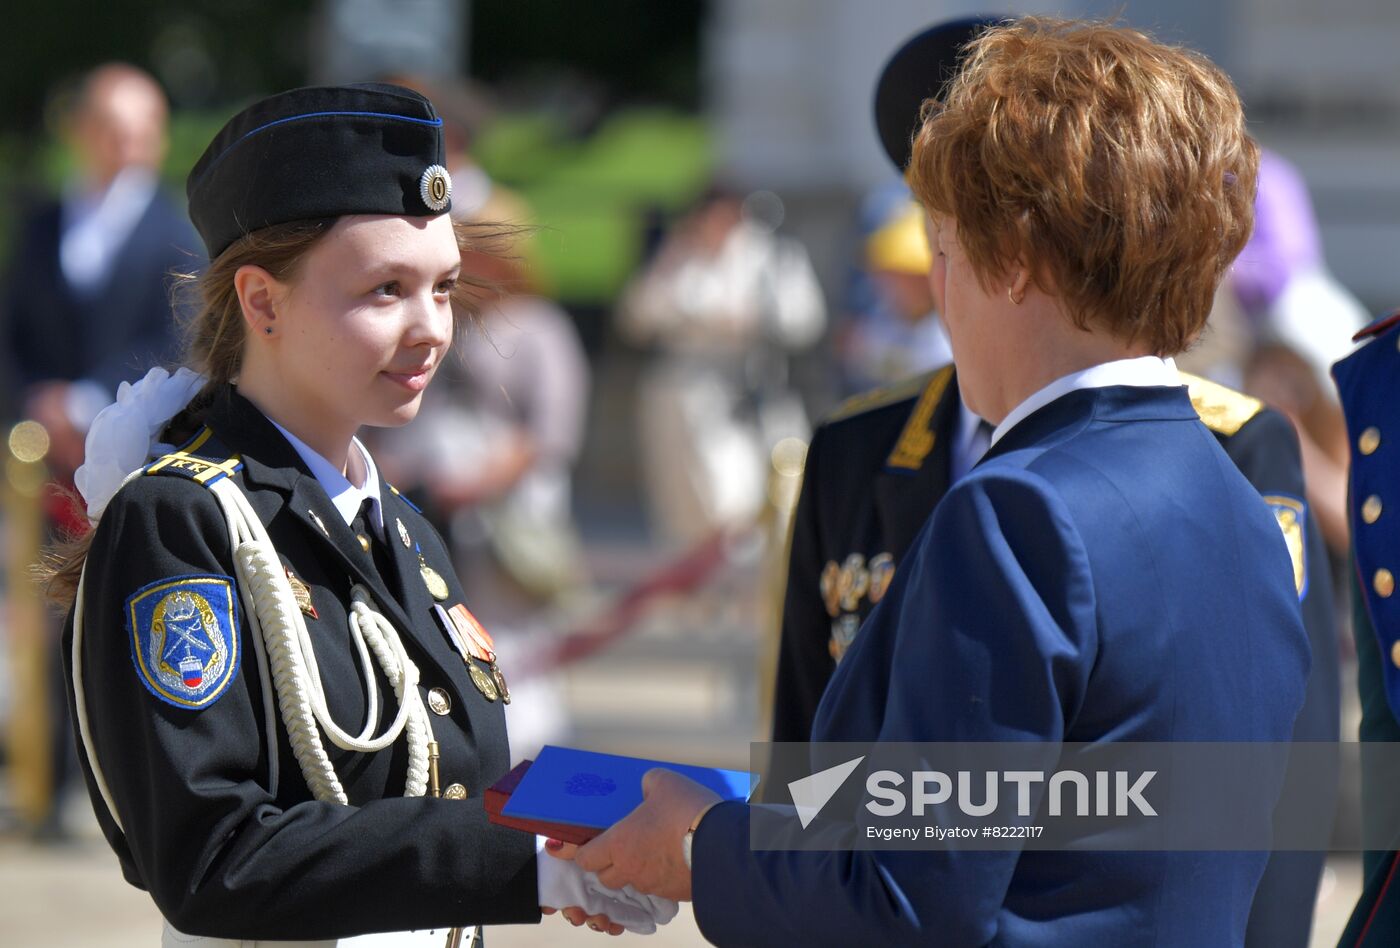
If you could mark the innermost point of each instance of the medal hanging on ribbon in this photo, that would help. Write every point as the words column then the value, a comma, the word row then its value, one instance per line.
column 437, row 586
column 475, row 645
column 483, row 647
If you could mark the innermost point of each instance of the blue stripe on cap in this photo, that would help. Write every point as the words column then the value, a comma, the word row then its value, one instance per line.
column 384, row 115
column 432, row 123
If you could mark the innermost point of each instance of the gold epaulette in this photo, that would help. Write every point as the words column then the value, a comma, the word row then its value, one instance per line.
column 886, row 394
column 1222, row 410
column 203, row 468
column 918, row 437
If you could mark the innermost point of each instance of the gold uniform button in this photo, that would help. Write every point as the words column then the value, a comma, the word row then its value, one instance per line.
column 439, row 702
column 364, row 540
column 1384, row 583
column 1395, row 654
column 1371, row 509
column 1370, row 440
column 455, row 791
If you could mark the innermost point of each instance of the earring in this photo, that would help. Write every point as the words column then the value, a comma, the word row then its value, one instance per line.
column 1013, row 299
column 267, row 330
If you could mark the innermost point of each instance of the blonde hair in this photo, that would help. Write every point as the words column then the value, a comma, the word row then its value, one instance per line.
column 1117, row 167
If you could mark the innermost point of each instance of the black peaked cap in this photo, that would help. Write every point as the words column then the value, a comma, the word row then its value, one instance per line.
column 319, row 152
column 919, row 70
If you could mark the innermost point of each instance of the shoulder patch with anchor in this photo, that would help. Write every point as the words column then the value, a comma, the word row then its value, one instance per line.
column 184, row 638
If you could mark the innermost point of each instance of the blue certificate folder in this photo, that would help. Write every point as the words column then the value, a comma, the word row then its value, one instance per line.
column 584, row 788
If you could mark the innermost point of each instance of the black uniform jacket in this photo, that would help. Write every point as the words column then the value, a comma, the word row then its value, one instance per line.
column 881, row 463
column 220, row 851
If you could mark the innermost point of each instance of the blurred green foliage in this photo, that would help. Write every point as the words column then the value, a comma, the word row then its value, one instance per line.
column 604, row 92
column 589, row 195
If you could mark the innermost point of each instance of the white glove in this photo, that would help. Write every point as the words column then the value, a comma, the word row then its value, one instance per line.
column 562, row 884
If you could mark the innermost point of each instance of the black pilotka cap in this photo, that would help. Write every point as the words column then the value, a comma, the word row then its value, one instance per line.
column 320, row 152
column 919, row 70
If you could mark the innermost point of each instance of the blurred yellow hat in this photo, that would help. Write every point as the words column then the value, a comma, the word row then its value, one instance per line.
column 900, row 245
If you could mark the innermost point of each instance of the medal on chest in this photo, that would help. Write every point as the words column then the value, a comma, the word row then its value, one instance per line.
column 437, row 586
column 302, row 594
column 478, row 651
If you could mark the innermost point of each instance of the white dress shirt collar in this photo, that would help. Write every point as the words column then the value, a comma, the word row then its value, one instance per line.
column 346, row 496
column 97, row 225
column 1142, row 372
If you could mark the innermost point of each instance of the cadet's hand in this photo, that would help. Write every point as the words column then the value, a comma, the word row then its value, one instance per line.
column 645, row 848
column 564, row 883
column 577, row 916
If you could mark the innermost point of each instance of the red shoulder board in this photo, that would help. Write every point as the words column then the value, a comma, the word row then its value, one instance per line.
column 1377, row 327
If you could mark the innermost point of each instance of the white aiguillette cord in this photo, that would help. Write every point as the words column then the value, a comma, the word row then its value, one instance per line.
column 287, row 657
column 277, row 620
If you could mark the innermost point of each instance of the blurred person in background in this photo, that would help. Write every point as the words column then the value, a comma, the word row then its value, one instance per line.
column 1281, row 279
column 866, row 339
column 900, row 333
column 1279, row 321
column 526, row 376
column 492, row 458
column 725, row 301
column 87, row 299
column 1303, row 321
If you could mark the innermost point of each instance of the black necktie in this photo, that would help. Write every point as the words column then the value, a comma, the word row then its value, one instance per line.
column 368, row 538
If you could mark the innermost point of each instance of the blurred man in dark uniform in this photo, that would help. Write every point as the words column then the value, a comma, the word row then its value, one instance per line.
column 87, row 301
column 880, row 464
column 1366, row 381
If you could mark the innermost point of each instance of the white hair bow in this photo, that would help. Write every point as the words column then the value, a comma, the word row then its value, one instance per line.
column 122, row 436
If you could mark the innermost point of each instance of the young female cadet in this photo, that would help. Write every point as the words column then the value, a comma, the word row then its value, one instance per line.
column 287, row 716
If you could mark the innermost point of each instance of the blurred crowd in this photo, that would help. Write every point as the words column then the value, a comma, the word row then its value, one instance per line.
column 718, row 314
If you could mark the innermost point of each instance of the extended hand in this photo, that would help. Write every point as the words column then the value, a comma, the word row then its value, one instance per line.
column 577, row 916
column 645, row 848
column 582, row 898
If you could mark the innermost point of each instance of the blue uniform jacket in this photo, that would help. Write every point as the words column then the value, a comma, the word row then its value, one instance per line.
column 1366, row 381
column 1104, row 574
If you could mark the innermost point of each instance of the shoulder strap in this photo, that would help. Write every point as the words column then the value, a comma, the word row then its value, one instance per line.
column 203, row 460
column 887, row 394
column 1222, row 410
